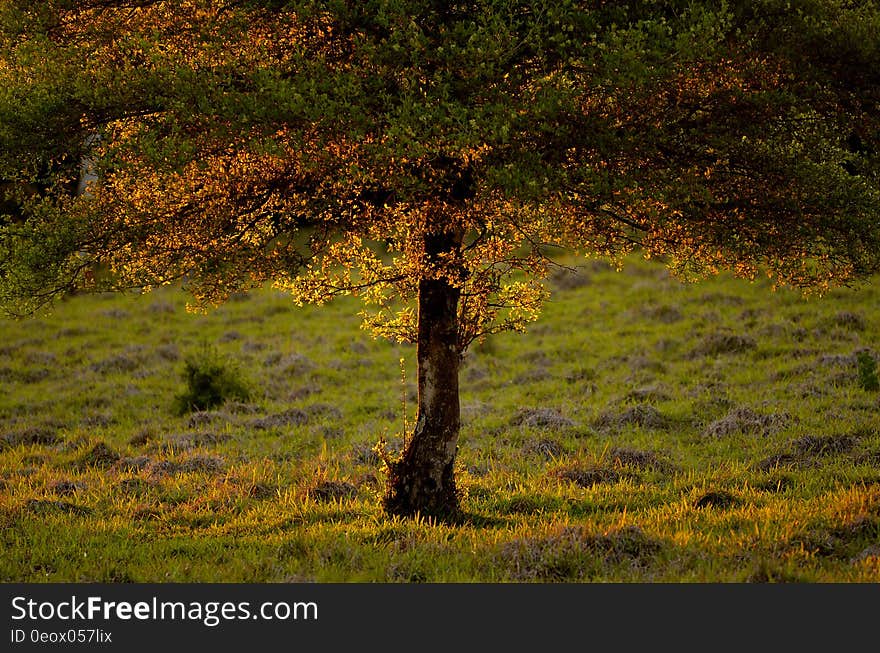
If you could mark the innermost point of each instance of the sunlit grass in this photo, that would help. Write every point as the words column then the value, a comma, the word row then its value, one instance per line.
column 643, row 431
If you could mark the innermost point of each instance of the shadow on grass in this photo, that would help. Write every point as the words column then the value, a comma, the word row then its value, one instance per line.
column 466, row 518
column 457, row 519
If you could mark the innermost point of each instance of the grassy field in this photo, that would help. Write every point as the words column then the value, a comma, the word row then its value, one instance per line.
column 642, row 431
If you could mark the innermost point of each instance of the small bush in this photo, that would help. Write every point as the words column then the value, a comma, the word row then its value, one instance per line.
column 211, row 380
column 868, row 379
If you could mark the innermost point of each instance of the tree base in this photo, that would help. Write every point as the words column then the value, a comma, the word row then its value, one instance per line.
column 412, row 491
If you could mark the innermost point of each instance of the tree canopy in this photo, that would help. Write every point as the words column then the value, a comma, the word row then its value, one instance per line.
column 735, row 135
column 368, row 147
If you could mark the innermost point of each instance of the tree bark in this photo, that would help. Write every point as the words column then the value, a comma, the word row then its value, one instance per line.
column 422, row 481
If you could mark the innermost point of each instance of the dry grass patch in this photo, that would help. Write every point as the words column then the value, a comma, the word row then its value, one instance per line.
column 48, row 506
column 67, row 488
column 745, row 421
column 542, row 418
column 587, row 476
column 195, row 464
column 575, row 553
column 100, row 456
column 644, row 416
column 716, row 499
column 716, row 344
column 327, row 490
column 545, row 447
column 291, row 417
column 32, row 435
column 637, row 459
column 837, row 541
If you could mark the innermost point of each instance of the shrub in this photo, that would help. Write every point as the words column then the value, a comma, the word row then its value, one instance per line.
column 211, row 379
column 868, row 379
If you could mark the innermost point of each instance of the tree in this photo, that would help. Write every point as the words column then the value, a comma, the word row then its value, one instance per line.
column 430, row 156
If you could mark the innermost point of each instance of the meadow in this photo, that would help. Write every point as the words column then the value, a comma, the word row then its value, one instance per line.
column 643, row 430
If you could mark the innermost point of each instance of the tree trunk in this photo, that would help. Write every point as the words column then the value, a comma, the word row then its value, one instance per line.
column 422, row 481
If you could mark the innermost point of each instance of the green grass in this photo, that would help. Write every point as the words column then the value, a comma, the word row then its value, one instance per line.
column 643, row 431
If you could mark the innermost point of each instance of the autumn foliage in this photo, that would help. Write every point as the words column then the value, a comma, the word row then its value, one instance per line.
column 321, row 146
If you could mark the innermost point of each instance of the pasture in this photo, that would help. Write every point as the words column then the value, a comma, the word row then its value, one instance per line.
column 643, row 430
